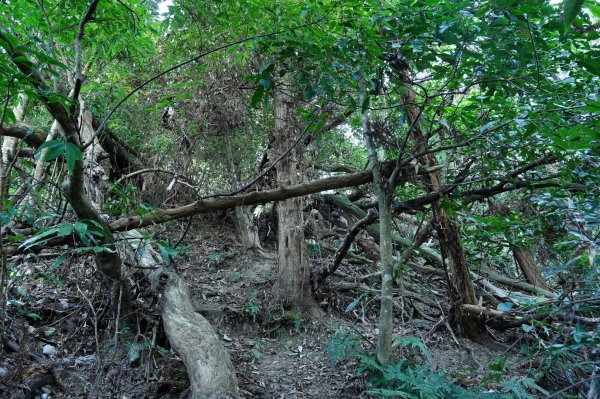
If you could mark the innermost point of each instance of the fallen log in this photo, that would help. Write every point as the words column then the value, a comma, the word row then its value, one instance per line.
column 502, row 321
column 251, row 198
column 494, row 276
column 509, row 282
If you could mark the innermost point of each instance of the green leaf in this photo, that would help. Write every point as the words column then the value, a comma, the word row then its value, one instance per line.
column 257, row 96
column 39, row 239
column 592, row 106
column 72, row 154
column 527, row 327
column 570, row 10
column 266, row 70
column 65, row 230
column 500, row 365
column 60, row 260
column 6, row 46
column 167, row 252
column 365, row 105
column 4, row 218
column 266, row 83
column 81, row 229
column 55, row 148
column 354, row 303
column 9, row 116
column 34, row 316
column 594, row 9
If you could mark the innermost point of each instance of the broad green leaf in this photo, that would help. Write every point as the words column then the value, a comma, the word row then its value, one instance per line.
column 266, row 70
column 4, row 218
column 72, row 154
column 257, row 96
column 9, row 116
column 34, row 316
column 81, row 228
column 65, row 230
column 570, row 10
column 167, row 252
column 54, row 149
column 39, row 239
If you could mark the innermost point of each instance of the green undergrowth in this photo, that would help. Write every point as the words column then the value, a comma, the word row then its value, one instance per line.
column 412, row 375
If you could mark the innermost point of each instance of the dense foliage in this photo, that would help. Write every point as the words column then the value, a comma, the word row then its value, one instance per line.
column 483, row 115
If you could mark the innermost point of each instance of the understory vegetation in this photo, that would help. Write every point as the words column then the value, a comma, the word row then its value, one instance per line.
column 328, row 199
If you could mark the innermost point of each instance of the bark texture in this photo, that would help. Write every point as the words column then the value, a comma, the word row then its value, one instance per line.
column 293, row 280
column 96, row 161
column 9, row 146
column 246, row 227
column 529, row 267
column 244, row 220
column 207, row 362
column 210, row 371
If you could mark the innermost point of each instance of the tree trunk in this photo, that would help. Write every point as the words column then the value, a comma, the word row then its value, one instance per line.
column 39, row 170
column 293, row 285
column 243, row 214
column 523, row 257
column 462, row 289
column 96, row 162
column 9, row 146
column 386, row 250
column 210, row 371
column 529, row 267
column 96, row 168
column 244, row 222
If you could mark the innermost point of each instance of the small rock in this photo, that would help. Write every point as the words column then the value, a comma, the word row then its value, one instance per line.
column 135, row 352
column 227, row 338
column 49, row 350
column 49, row 331
column 3, row 371
column 85, row 359
column 63, row 303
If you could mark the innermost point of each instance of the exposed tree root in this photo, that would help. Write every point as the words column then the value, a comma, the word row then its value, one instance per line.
column 210, row 371
column 209, row 368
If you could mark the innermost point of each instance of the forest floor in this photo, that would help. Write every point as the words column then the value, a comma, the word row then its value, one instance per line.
column 66, row 352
